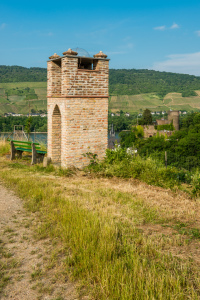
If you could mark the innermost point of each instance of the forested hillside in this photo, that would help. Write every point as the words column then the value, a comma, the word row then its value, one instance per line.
column 121, row 81
column 21, row 74
column 134, row 82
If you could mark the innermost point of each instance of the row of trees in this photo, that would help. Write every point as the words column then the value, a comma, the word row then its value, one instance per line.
column 120, row 123
column 35, row 123
column 21, row 74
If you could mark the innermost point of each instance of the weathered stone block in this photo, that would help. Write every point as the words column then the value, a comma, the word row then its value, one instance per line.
column 46, row 161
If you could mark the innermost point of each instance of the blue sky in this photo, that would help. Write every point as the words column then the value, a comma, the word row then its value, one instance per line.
column 159, row 35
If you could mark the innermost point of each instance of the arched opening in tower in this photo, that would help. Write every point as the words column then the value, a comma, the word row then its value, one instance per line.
column 56, row 136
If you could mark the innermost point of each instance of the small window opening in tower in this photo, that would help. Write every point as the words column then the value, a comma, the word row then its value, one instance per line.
column 58, row 63
column 95, row 63
column 86, row 64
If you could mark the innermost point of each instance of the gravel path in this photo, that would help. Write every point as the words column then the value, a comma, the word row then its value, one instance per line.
column 34, row 277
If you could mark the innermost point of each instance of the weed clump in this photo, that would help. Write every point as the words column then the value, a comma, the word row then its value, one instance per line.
column 55, row 170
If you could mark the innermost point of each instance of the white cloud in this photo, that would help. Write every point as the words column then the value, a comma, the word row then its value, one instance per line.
column 174, row 26
column 188, row 63
column 198, row 32
column 50, row 34
column 160, row 28
column 2, row 26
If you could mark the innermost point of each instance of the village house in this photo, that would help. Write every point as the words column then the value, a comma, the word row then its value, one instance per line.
column 12, row 115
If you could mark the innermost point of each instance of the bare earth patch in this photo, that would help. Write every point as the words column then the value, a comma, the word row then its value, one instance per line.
column 35, row 276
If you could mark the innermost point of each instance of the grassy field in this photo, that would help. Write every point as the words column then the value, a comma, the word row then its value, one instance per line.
column 18, row 103
column 123, row 239
column 173, row 101
column 134, row 103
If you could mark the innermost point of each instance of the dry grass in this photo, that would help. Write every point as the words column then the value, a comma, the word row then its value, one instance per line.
column 168, row 203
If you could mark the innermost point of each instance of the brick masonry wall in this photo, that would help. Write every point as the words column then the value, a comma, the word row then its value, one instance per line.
column 53, row 79
column 84, row 128
column 83, row 105
column 69, row 80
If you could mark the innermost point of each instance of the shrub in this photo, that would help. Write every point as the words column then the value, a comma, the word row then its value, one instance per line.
column 127, row 138
column 188, row 93
column 165, row 127
column 121, row 164
column 195, row 182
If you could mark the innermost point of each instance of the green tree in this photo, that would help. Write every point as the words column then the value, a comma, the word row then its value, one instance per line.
column 146, row 118
column 139, row 131
column 127, row 138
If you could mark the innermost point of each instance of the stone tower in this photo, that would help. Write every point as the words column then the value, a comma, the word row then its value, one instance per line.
column 77, row 104
column 173, row 116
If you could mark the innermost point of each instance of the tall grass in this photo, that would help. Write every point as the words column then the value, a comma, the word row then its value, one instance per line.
column 43, row 146
column 109, row 255
column 4, row 147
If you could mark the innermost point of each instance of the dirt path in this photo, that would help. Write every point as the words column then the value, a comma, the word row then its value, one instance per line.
column 34, row 275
